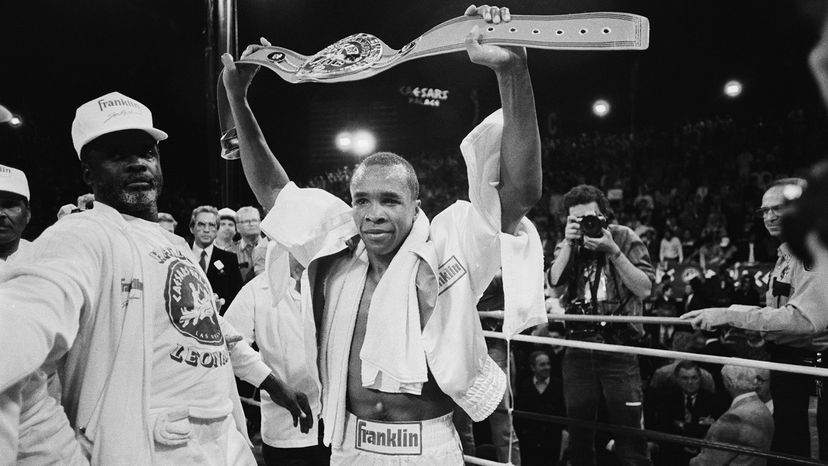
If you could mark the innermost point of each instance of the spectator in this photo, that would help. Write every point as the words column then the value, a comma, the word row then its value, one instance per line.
column 746, row 423
column 284, row 334
column 688, row 412
column 670, row 251
column 221, row 266
column 14, row 210
column 226, row 231
column 167, row 222
column 247, row 221
column 540, row 441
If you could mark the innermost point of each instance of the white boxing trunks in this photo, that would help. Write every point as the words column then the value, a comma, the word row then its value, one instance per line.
column 429, row 442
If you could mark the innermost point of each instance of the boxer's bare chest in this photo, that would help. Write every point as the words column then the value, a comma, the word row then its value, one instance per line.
column 373, row 404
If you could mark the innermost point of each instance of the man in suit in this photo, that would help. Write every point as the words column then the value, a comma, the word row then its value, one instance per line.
column 747, row 423
column 688, row 411
column 540, row 442
column 221, row 266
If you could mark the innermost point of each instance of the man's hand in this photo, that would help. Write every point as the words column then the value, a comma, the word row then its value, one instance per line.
column 572, row 232
column 707, row 319
column 495, row 57
column 604, row 244
column 237, row 78
column 231, row 340
column 292, row 400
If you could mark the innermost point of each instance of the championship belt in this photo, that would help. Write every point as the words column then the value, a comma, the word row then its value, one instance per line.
column 362, row 55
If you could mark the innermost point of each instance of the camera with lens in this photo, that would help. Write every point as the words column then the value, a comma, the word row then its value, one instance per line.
column 582, row 330
column 622, row 333
column 592, row 225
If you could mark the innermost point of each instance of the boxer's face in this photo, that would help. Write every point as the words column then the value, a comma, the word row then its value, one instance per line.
column 384, row 208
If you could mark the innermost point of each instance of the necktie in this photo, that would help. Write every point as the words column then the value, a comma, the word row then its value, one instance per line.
column 203, row 261
column 688, row 408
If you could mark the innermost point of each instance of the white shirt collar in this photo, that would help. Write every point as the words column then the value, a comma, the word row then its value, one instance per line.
column 197, row 250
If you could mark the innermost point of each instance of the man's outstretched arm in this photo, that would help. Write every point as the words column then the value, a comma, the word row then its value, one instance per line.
column 263, row 171
column 520, row 161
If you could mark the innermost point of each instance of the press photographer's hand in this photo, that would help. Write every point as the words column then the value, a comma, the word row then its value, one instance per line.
column 572, row 232
column 604, row 244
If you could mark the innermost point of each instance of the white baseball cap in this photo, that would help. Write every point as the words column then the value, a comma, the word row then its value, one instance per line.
column 227, row 213
column 110, row 113
column 14, row 181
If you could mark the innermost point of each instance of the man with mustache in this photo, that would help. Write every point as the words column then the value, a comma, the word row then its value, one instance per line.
column 14, row 211
column 124, row 308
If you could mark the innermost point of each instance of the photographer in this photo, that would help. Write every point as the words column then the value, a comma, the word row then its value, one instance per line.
column 601, row 269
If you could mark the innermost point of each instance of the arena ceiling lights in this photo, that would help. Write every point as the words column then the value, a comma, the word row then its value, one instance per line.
column 733, row 88
column 360, row 142
column 601, row 108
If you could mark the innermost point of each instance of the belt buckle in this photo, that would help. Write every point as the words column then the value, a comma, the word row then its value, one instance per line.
column 389, row 438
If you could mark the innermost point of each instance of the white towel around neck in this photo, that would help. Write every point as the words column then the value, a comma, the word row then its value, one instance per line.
column 393, row 357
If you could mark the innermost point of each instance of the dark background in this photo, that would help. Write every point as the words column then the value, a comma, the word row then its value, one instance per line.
column 58, row 55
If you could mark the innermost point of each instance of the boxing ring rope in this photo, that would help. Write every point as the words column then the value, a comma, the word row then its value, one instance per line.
column 650, row 434
column 588, row 345
column 593, row 318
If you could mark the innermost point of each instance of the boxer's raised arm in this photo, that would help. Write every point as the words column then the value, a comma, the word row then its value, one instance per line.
column 520, row 160
column 263, row 171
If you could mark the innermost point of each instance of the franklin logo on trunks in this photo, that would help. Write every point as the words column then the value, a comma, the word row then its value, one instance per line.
column 389, row 438
column 448, row 274
column 190, row 305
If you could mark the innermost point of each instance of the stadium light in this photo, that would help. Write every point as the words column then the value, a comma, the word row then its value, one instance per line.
column 733, row 88
column 344, row 141
column 364, row 143
column 600, row 108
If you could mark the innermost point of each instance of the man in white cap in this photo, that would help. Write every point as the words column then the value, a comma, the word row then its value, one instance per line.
column 146, row 369
column 14, row 210
column 226, row 230
column 27, row 403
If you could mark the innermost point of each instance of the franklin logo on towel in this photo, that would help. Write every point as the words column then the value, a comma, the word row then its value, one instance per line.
column 448, row 274
column 389, row 438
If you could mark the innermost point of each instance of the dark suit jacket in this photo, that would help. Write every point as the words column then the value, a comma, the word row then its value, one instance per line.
column 550, row 401
column 748, row 423
column 226, row 281
column 670, row 410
